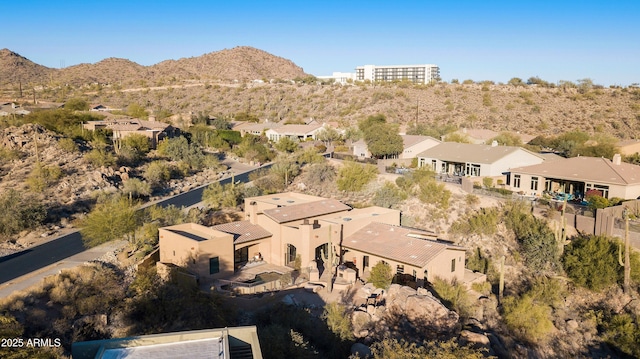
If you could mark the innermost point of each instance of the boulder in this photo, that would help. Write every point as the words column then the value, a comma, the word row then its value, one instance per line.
column 361, row 323
column 431, row 312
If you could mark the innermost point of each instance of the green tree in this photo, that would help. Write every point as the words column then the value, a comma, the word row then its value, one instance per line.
column 381, row 275
column 457, row 137
column 112, row 218
column 383, row 140
column 507, row 139
column 137, row 111
column 286, row 145
column 217, row 196
column 353, row 177
column 76, row 104
column 101, row 157
column 516, row 81
column 328, row 135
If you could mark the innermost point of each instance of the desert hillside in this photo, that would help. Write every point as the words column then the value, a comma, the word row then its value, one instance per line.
column 237, row 64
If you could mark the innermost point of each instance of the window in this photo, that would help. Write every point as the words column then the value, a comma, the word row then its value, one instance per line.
column 453, row 265
column 547, row 185
column 534, row 183
column 365, row 261
column 508, row 179
column 214, row 265
column 400, row 269
column 516, row 181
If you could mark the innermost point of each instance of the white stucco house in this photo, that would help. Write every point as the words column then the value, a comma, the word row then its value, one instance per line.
column 475, row 160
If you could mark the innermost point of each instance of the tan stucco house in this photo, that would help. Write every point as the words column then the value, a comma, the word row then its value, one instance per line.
column 282, row 228
column 156, row 131
column 577, row 175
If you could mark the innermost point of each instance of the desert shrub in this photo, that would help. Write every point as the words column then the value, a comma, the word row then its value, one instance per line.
column 487, row 182
column 401, row 349
column 381, row 275
column 454, row 295
column 309, row 155
column 592, row 262
column 338, row 320
column 477, row 262
column 353, row 176
column 67, row 145
column 622, row 331
column 537, row 241
column 41, row 177
column 388, row 195
column 157, row 173
column 19, row 212
column 100, row 157
column 471, row 199
column 549, row 291
column 432, row 192
column 319, row 174
column 483, row 222
column 134, row 187
column 529, row 320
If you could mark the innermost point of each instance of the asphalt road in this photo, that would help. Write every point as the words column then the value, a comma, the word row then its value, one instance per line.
column 18, row 264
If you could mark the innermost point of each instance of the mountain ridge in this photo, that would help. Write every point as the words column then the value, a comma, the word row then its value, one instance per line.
column 238, row 63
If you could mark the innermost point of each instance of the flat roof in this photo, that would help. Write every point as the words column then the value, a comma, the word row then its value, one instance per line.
column 401, row 244
column 193, row 349
column 285, row 198
column 294, row 212
column 358, row 213
column 195, row 231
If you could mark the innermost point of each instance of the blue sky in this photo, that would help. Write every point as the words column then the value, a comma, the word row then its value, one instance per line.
column 478, row 40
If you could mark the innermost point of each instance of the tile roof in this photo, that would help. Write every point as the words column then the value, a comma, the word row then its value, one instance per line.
column 243, row 231
column 594, row 169
column 467, row 152
column 296, row 212
column 296, row 129
column 405, row 245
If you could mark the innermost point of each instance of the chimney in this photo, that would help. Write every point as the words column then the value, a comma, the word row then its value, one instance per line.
column 494, row 143
column 617, row 159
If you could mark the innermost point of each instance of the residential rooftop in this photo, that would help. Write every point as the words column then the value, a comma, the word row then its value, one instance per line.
column 589, row 169
column 294, row 212
column 242, row 231
column 406, row 245
column 195, row 231
column 467, row 152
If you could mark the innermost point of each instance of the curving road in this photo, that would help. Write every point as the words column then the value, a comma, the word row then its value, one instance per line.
column 35, row 258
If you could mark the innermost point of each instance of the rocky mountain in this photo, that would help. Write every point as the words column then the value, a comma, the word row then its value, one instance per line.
column 240, row 63
column 15, row 69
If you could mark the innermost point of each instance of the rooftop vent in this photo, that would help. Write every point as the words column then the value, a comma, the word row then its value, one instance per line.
column 346, row 219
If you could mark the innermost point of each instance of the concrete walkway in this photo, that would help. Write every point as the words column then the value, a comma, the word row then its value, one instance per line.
column 33, row 278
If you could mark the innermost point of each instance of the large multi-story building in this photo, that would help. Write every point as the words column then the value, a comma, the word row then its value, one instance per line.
column 422, row 74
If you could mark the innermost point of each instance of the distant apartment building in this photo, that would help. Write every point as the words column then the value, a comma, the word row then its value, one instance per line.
column 422, row 74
